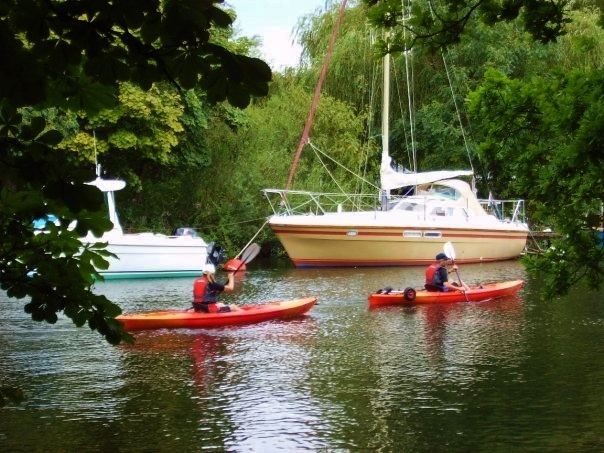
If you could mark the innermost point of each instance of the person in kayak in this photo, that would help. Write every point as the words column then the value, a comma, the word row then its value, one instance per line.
column 206, row 291
column 437, row 276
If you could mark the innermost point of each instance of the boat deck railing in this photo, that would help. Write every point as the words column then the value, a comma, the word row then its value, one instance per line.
column 301, row 202
column 507, row 210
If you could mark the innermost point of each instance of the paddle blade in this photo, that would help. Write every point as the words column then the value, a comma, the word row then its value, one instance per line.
column 250, row 253
column 237, row 264
column 449, row 250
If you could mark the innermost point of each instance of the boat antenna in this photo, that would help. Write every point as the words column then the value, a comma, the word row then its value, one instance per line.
column 315, row 100
column 97, row 167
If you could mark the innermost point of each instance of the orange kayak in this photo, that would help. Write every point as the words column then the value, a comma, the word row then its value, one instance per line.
column 421, row 296
column 189, row 319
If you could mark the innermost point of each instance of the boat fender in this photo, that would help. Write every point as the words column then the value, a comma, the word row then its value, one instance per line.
column 410, row 294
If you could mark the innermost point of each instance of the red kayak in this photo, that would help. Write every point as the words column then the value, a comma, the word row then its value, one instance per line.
column 421, row 296
column 189, row 319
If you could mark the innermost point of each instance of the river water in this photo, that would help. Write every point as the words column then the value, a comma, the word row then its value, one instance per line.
column 517, row 373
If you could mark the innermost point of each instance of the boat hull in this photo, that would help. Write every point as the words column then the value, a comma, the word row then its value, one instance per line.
column 189, row 319
column 474, row 294
column 148, row 255
column 355, row 245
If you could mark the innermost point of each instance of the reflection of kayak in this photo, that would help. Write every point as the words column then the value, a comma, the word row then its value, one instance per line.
column 189, row 319
column 421, row 296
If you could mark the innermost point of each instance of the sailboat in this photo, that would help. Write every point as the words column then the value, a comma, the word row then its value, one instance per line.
column 144, row 255
column 333, row 230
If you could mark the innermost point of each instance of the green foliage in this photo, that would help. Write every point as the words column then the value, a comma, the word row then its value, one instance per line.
column 250, row 150
column 538, row 127
column 546, row 134
column 354, row 68
column 143, row 125
column 99, row 64
column 75, row 52
column 437, row 25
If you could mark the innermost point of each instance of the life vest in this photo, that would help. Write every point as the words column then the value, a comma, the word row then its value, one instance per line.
column 430, row 273
column 202, row 291
column 431, row 285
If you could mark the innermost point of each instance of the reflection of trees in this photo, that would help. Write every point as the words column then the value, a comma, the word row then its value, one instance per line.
column 269, row 392
column 160, row 369
column 395, row 374
column 220, row 388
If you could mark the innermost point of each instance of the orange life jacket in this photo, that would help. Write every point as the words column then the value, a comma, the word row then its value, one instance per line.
column 203, row 290
column 430, row 273
column 431, row 284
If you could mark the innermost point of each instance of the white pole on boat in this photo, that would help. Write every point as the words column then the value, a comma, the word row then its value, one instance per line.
column 97, row 166
column 411, row 106
column 386, row 125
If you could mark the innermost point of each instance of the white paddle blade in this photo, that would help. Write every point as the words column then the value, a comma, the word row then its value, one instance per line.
column 250, row 253
column 449, row 250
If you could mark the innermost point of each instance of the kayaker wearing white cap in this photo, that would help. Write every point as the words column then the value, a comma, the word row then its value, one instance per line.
column 206, row 291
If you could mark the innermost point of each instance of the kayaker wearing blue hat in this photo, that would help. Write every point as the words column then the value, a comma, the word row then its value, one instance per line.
column 206, row 291
column 437, row 276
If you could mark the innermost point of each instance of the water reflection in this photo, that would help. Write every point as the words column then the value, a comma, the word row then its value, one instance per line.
column 512, row 372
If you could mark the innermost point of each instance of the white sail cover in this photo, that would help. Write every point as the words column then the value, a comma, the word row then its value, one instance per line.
column 391, row 179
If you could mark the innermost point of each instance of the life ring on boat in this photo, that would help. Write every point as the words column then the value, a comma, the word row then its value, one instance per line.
column 410, row 294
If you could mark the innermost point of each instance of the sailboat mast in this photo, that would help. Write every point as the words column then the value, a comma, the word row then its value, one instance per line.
column 386, row 108
column 385, row 194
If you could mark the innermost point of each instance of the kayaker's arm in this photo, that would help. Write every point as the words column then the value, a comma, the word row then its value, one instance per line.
column 230, row 284
column 463, row 286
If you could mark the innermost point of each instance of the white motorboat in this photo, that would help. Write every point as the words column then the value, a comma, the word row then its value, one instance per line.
column 144, row 255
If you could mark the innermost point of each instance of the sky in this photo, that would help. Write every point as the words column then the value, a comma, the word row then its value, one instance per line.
column 273, row 21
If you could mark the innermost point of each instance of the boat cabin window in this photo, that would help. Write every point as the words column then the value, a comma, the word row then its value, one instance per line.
column 444, row 192
column 409, row 206
column 448, row 211
column 442, row 212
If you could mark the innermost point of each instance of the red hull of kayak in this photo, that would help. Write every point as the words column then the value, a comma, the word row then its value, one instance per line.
column 474, row 294
column 189, row 319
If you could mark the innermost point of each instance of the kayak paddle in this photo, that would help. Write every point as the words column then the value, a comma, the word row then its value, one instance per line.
column 450, row 252
column 248, row 255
